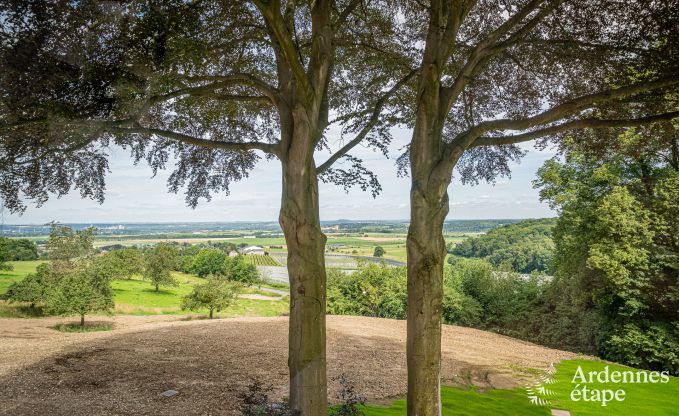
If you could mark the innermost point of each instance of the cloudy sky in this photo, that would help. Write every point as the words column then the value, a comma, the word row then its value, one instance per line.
column 134, row 196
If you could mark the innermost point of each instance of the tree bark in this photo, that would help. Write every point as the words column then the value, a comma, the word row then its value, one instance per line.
column 210, row 313
column 300, row 221
column 82, row 320
column 426, row 253
column 430, row 167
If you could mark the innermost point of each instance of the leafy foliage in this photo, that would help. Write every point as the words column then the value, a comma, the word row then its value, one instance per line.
column 72, row 283
column 34, row 287
column 159, row 263
column 122, row 264
column 80, row 291
column 209, row 262
column 17, row 249
column 65, row 244
column 617, row 253
column 525, row 246
column 379, row 251
column 215, row 295
column 239, row 270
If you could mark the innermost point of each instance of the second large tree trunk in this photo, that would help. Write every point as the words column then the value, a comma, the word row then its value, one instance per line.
column 426, row 253
column 300, row 221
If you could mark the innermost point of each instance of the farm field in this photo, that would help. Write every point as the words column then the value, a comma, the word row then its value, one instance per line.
column 262, row 260
column 138, row 297
column 357, row 244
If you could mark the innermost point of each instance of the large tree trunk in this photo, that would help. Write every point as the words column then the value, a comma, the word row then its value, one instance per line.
column 300, row 221
column 426, row 253
column 430, row 169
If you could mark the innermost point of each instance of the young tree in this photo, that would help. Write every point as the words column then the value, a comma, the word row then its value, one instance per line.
column 215, row 295
column 159, row 263
column 379, row 251
column 123, row 263
column 210, row 85
column 80, row 291
column 210, row 262
column 65, row 245
column 239, row 270
column 539, row 68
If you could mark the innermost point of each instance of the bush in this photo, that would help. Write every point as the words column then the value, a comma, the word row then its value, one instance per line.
column 373, row 290
column 33, row 288
column 239, row 270
column 255, row 402
column 655, row 347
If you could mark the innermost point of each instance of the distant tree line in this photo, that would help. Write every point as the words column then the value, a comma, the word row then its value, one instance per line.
column 525, row 246
column 12, row 249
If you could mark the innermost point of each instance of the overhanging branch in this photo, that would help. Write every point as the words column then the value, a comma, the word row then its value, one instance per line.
column 195, row 141
column 592, row 123
column 561, row 111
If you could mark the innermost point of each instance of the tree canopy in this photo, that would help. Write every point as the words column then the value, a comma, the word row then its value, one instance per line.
column 616, row 248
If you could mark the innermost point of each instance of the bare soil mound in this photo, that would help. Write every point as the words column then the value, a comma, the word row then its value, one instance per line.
column 123, row 371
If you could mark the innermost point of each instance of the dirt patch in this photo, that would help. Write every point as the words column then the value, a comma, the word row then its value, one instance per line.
column 125, row 370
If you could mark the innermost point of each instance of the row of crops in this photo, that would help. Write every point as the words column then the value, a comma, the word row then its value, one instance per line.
column 262, row 260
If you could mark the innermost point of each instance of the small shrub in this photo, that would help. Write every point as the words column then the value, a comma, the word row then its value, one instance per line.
column 255, row 402
column 351, row 400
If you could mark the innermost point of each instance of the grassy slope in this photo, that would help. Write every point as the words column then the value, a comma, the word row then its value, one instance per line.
column 21, row 269
column 461, row 402
column 641, row 399
column 138, row 297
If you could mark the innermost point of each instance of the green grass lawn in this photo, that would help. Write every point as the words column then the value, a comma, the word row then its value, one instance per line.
column 21, row 269
column 646, row 399
column 138, row 297
column 461, row 402
column 661, row 399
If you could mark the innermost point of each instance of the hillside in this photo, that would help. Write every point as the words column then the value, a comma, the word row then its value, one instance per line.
column 209, row 362
column 526, row 245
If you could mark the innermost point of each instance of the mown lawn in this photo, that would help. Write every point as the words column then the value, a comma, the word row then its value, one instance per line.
column 461, row 402
column 650, row 399
column 21, row 269
column 138, row 297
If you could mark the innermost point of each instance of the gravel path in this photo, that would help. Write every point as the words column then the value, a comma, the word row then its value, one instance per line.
column 43, row 371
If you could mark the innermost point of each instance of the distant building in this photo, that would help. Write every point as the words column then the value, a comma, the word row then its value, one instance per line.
column 253, row 250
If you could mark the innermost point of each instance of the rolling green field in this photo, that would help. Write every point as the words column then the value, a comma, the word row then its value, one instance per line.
column 659, row 399
column 358, row 244
column 138, row 297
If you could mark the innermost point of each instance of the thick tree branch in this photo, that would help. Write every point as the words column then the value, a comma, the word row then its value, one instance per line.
column 276, row 24
column 491, row 46
column 591, row 123
column 195, row 141
column 561, row 111
column 221, row 81
column 344, row 14
column 374, row 119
